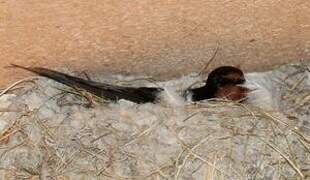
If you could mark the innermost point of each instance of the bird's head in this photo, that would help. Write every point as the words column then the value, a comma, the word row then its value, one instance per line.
column 226, row 82
column 225, row 75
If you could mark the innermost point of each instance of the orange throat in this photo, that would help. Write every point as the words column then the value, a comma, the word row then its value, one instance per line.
column 232, row 92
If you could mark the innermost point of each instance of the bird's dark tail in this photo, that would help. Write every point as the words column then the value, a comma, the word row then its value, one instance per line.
column 103, row 90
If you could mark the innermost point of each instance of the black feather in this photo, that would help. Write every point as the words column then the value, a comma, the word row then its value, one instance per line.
column 103, row 90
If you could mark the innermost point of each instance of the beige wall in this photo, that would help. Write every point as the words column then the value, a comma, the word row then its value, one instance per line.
column 161, row 38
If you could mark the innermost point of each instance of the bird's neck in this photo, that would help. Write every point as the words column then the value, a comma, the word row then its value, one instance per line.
column 205, row 92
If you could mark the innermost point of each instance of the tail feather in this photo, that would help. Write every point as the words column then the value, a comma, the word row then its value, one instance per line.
column 107, row 91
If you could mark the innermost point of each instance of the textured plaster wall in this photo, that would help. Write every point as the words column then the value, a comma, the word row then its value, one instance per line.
column 162, row 38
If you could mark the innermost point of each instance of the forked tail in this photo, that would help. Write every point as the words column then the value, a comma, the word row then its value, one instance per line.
column 103, row 90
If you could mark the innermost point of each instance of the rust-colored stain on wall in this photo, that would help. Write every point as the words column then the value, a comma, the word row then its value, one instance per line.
column 161, row 38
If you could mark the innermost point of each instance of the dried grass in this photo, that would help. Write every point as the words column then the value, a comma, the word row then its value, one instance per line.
column 208, row 140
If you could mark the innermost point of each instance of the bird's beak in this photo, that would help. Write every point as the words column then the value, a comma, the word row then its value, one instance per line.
column 249, row 87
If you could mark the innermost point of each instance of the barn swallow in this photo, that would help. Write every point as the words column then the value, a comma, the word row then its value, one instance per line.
column 223, row 82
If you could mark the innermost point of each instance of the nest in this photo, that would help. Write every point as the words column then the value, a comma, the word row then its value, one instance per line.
column 58, row 133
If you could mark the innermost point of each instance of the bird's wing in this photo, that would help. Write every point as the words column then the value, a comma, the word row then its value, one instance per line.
column 104, row 90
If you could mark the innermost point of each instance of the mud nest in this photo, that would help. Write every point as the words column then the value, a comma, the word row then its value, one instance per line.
column 50, row 132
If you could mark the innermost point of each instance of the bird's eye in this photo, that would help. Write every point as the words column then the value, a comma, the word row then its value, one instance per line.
column 223, row 80
column 240, row 81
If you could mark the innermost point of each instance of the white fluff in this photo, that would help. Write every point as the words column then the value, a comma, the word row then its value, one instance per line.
column 264, row 92
column 171, row 97
column 173, row 89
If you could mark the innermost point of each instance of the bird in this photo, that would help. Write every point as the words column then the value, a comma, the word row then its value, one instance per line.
column 223, row 82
